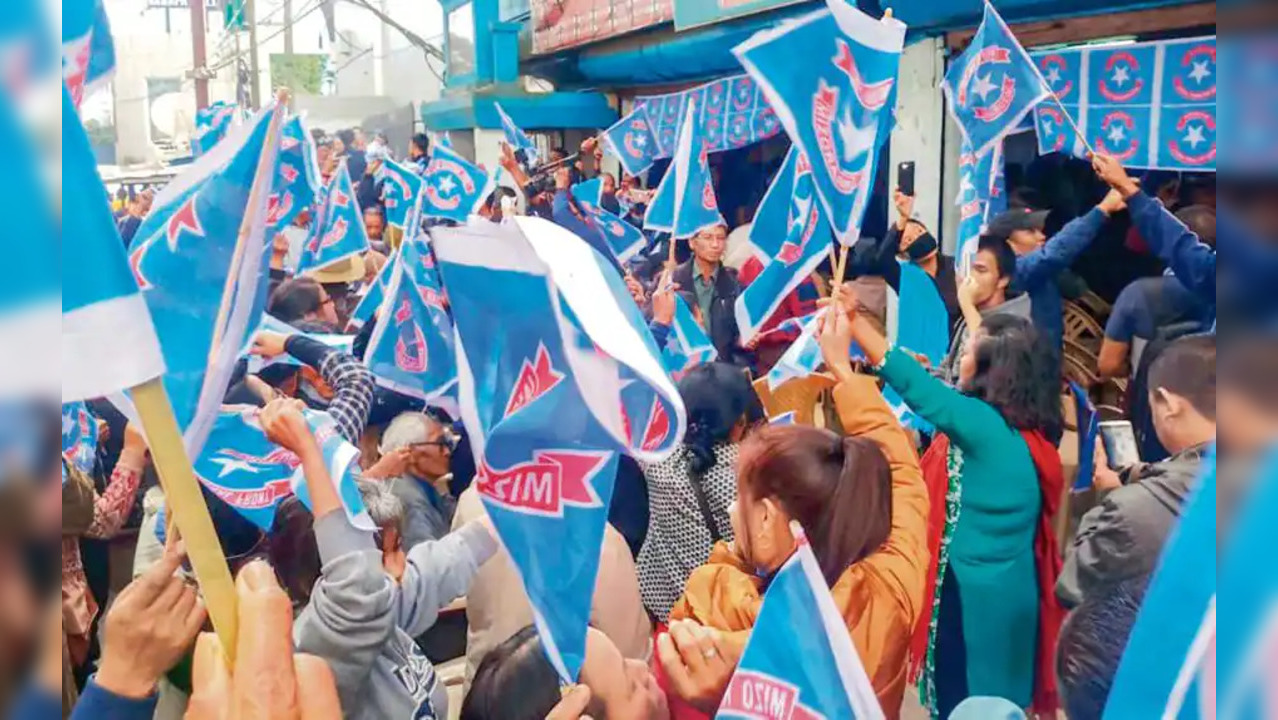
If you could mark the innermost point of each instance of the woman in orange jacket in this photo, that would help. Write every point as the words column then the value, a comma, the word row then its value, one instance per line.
column 863, row 504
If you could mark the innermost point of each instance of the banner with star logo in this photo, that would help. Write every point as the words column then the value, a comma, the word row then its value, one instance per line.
column 993, row 85
column 733, row 112
column 453, row 188
column 1151, row 105
column 337, row 232
column 247, row 471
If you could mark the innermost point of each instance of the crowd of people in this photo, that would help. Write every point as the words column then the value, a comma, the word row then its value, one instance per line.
column 940, row 548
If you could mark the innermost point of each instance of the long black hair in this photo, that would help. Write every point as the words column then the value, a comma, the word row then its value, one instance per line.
column 717, row 396
column 514, row 682
column 1015, row 374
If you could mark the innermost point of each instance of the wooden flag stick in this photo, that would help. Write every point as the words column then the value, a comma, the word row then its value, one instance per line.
column 185, row 504
column 1078, row 132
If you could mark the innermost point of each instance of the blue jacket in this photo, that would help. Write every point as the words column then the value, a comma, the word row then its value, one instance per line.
column 1248, row 295
column 1036, row 274
column 94, row 704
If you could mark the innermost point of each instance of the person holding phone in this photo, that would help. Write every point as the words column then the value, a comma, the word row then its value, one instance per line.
column 1122, row 537
column 908, row 239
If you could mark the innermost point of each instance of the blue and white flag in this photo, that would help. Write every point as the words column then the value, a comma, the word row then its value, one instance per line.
column 837, row 103
column 337, row 232
column 807, row 243
column 557, row 376
column 1088, row 424
column 918, row 322
column 31, row 47
column 773, row 218
column 801, row 359
column 211, row 125
column 1172, row 644
column 799, row 663
column 88, row 51
column 687, row 345
column 411, row 350
column 624, row 240
column 992, row 85
column 453, row 188
column 689, row 193
column 79, row 436
column 633, row 142
column 785, row 418
column 1248, row 633
column 247, row 471
column 442, row 139
column 108, row 341
column 733, row 111
column 337, row 341
column 981, row 196
column 299, row 183
column 516, row 138
column 400, row 188
column 1151, row 104
column 204, row 281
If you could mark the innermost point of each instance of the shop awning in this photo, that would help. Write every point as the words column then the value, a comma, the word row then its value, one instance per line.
column 934, row 18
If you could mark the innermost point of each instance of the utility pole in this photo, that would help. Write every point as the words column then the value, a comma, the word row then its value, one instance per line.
column 250, row 11
column 199, row 60
column 288, row 27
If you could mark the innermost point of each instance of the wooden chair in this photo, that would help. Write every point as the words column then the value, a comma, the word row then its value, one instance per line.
column 798, row 395
column 1095, row 305
column 1081, row 326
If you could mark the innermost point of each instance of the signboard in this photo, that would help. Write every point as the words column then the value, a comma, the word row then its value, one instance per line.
column 560, row 24
column 694, row 13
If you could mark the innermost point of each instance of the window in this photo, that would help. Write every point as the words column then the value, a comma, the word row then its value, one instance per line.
column 461, row 42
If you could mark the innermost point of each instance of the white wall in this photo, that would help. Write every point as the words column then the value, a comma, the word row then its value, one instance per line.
column 917, row 136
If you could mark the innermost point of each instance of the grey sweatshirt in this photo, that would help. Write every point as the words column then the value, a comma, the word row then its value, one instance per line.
column 949, row 367
column 363, row 624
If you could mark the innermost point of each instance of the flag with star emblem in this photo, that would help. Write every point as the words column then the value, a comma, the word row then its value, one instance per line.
column 837, row 108
column 79, row 436
column 242, row 467
column 687, row 345
column 299, row 182
column 453, row 188
column 211, row 125
column 400, row 187
column 337, row 341
column 108, row 341
column 807, row 243
column 1151, row 105
column 772, row 220
column 1170, row 658
column 411, row 349
column 685, row 203
column 337, row 232
column 557, row 375
column 624, row 240
column 374, row 293
column 516, row 138
column 799, row 661
column 632, row 142
column 203, row 279
column 88, row 52
column 981, row 196
column 992, row 85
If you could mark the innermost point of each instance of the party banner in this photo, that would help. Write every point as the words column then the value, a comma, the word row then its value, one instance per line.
column 1151, row 105
column 695, row 13
column 732, row 111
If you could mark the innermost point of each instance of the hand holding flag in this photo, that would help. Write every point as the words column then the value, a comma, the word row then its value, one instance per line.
column 517, row 138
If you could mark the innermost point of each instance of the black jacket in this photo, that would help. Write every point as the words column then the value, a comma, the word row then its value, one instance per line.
column 722, row 322
column 874, row 257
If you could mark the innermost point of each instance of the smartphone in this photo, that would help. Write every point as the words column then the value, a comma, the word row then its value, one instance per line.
column 1120, row 443
column 905, row 177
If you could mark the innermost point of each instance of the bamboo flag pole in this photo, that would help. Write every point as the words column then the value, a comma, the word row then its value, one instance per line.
column 183, row 499
column 185, row 504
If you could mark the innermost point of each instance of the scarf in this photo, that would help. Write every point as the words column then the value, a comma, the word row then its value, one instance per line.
column 1047, row 559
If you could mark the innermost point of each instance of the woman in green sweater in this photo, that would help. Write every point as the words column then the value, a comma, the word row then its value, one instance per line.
column 990, row 471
